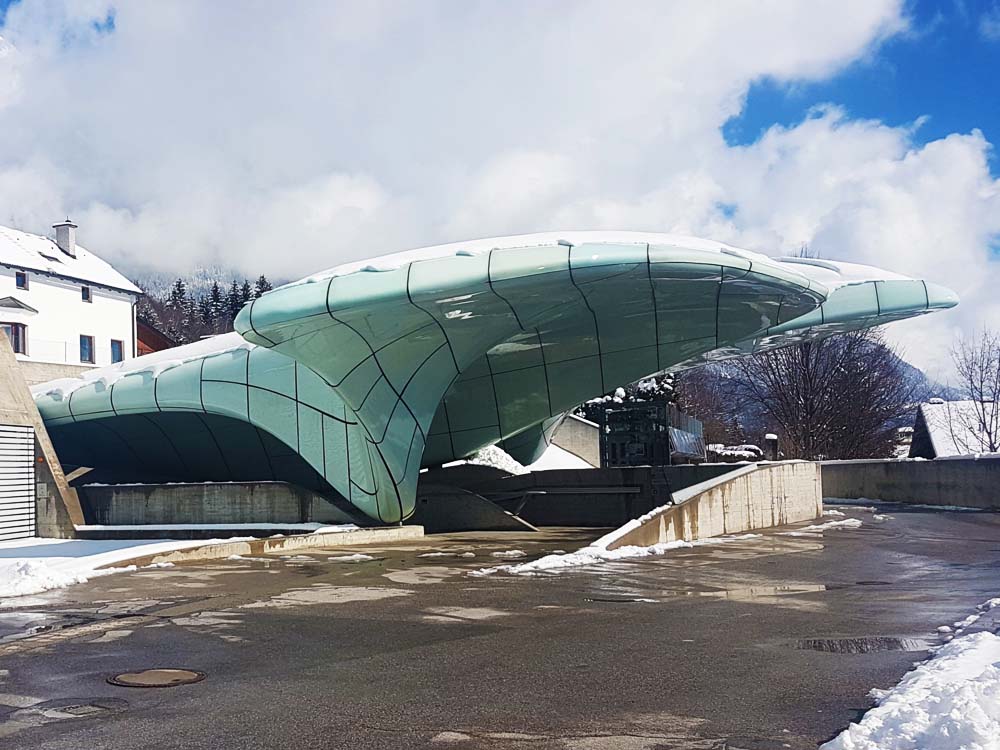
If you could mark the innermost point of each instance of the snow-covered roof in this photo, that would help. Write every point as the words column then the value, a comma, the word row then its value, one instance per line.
column 154, row 363
column 830, row 273
column 955, row 427
column 32, row 252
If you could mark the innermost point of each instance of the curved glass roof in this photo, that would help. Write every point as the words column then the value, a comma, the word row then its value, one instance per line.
column 349, row 381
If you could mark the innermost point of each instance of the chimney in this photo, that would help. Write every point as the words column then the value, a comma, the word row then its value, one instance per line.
column 66, row 237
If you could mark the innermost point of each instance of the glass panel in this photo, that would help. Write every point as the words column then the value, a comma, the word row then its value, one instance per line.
column 87, row 349
column 116, row 351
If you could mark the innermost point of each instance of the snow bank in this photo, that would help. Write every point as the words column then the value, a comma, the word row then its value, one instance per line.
column 30, row 566
column 596, row 554
column 951, row 702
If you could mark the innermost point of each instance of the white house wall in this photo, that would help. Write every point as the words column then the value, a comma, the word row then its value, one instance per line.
column 53, row 333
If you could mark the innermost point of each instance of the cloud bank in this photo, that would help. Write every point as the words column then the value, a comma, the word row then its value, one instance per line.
column 190, row 133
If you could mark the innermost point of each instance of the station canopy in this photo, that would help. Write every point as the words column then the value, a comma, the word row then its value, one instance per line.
column 351, row 380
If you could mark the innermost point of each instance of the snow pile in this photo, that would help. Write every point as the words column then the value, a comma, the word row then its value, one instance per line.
column 597, row 553
column 951, row 702
column 554, row 457
column 356, row 557
column 23, row 577
column 498, row 459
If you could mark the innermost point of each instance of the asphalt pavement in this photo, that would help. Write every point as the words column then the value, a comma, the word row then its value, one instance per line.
column 761, row 643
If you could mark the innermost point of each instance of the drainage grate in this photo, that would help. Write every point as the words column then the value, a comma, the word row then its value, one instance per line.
column 160, row 677
column 863, row 645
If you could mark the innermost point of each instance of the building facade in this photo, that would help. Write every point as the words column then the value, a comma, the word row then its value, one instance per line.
column 63, row 309
column 352, row 380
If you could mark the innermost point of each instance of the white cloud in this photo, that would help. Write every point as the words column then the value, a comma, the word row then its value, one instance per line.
column 287, row 142
column 989, row 23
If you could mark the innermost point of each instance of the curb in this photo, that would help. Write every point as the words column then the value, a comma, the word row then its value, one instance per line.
column 222, row 550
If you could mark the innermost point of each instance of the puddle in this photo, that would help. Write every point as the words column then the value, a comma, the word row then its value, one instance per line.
column 17, row 625
column 863, row 644
column 422, row 575
column 458, row 614
column 322, row 593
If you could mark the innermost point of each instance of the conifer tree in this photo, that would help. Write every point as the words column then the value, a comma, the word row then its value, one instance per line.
column 261, row 285
column 233, row 301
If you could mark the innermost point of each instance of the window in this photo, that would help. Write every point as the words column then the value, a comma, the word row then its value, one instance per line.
column 87, row 349
column 17, row 334
column 21, row 279
column 85, row 293
column 117, row 351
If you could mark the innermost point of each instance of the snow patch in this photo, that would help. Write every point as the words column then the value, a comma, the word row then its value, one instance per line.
column 596, row 553
column 846, row 523
column 950, row 702
column 510, row 554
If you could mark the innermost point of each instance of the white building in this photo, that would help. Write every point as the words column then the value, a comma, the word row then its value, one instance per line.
column 63, row 308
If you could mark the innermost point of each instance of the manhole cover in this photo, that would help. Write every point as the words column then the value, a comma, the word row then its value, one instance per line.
column 863, row 645
column 148, row 678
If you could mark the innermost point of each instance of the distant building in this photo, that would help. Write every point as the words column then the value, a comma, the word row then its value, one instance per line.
column 149, row 339
column 64, row 309
column 955, row 428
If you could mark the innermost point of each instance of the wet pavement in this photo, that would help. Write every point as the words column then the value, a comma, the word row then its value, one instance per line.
column 770, row 642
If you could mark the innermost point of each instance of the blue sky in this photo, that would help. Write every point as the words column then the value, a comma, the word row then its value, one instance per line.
column 946, row 68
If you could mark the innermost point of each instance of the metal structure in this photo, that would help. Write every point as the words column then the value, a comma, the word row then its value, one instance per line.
column 651, row 433
column 349, row 381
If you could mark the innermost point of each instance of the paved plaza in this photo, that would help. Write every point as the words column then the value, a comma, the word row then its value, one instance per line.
column 768, row 642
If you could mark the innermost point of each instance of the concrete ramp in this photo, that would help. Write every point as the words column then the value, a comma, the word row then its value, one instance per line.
column 757, row 496
column 441, row 508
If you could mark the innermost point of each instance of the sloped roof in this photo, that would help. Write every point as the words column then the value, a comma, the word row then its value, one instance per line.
column 954, row 427
column 32, row 252
column 15, row 304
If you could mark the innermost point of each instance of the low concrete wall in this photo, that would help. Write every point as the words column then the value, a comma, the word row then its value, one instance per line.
column 963, row 482
column 222, row 550
column 580, row 437
column 757, row 496
column 216, row 503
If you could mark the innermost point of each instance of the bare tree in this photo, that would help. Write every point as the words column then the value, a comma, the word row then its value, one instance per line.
column 840, row 397
column 975, row 424
column 706, row 393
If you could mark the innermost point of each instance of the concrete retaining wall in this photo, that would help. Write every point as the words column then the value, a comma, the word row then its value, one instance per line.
column 216, row 503
column 751, row 497
column 965, row 482
column 579, row 497
column 581, row 438
column 222, row 550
